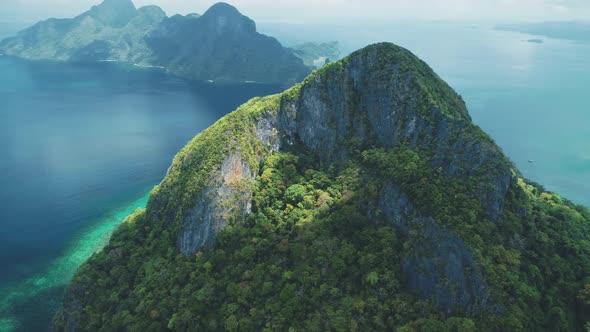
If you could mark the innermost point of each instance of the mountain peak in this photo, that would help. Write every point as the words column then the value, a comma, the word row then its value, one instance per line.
column 115, row 13
column 222, row 8
column 225, row 18
column 117, row 4
column 390, row 59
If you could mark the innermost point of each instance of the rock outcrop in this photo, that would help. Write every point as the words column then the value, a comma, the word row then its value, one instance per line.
column 227, row 197
column 374, row 101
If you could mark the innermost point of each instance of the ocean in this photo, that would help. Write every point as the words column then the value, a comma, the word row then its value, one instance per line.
column 82, row 146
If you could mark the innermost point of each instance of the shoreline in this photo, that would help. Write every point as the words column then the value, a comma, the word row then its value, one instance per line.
column 62, row 268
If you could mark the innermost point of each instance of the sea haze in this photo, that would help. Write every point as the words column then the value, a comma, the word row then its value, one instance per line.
column 11, row 29
column 82, row 145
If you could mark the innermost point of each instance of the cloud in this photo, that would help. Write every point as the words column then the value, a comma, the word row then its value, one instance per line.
column 302, row 10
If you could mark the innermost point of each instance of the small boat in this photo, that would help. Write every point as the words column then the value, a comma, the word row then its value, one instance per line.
column 531, row 161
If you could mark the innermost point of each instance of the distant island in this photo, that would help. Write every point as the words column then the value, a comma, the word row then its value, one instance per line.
column 574, row 30
column 536, row 41
column 221, row 45
column 317, row 54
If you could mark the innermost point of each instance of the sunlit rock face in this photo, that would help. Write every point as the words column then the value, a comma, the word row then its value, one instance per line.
column 226, row 199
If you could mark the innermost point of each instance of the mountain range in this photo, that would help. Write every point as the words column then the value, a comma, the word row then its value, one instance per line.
column 220, row 45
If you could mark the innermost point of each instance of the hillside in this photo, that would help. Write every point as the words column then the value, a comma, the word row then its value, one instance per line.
column 221, row 45
column 361, row 199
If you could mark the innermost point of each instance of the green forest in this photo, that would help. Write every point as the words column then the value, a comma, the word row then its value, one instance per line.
column 317, row 252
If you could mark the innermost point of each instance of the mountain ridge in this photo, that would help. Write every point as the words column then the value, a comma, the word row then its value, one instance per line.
column 116, row 13
column 363, row 198
column 195, row 47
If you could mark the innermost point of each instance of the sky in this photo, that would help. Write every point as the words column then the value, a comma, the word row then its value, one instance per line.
column 315, row 10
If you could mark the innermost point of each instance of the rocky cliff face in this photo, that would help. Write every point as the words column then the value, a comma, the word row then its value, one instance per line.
column 462, row 212
column 221, row 45
column 224, row 199
column 442, row 267
column 373, row 100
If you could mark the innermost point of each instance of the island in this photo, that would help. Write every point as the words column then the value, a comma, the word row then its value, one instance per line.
column 362, row 199
column 221, row 45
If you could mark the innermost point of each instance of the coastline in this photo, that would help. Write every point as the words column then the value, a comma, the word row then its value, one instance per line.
column 218, row 81
column 60, row 271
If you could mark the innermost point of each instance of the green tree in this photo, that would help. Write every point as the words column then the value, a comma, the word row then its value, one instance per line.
column 373, row 278
column 295, row 193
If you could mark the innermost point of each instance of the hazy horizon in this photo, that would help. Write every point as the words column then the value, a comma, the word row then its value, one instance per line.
column 26, row 11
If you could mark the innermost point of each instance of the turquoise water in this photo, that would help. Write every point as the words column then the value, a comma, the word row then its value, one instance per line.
column 531, row 98
column 81, row 147
column 36, row 291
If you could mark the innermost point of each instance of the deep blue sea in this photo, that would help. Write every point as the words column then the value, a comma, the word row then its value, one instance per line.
column 82, row 145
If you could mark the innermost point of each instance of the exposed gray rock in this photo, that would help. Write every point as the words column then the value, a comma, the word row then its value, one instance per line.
column 73, row 302
column 396, row 207
column 226, row 199
column 379, row 108
column 267, row 133
column 438, row 265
